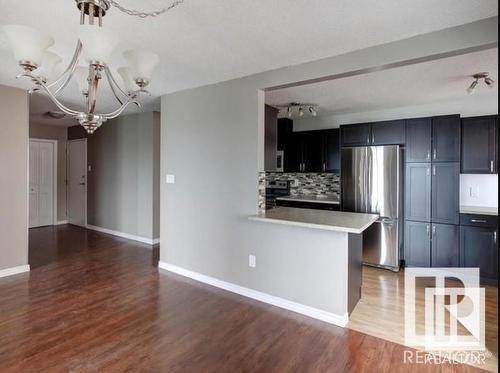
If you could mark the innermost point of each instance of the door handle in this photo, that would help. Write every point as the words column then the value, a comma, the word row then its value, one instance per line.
column 428, row 230
column 428, row 171
column 433, row 230
column 478, row 221
column 429, row 154
column 434, row 170
column 495, row 237
column 491, row 166
column 373, row 138
column 81, row 183
column 435, row 153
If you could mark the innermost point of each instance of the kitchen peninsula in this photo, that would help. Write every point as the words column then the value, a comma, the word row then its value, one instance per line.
column 324, row 251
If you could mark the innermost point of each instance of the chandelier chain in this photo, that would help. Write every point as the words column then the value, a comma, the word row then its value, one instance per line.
column 136, row 13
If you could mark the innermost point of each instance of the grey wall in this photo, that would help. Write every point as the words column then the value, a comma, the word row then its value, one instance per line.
column 212, row 141
column 14, row 114
column 124, row 158
column 59, row 133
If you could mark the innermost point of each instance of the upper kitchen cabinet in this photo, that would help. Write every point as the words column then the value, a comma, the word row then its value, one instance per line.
column 418, row 140
column 356, row 134
column 418, row 196
column 479, row 145
column 270, row 138
column 446, row 138
column 332, row 150
column 293, row 152
column 380, row 133
column 312, row 150
column 388, row 133
column 285, row 128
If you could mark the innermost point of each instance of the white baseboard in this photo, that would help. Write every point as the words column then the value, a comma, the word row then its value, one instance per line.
column 339, row 320
column 62, row 222
column 128, row 236
column 14, row 270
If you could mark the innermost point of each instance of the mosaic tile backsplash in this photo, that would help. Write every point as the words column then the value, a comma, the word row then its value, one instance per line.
column 301, row 184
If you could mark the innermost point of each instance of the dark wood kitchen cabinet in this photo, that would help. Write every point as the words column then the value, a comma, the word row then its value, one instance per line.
column 388, row 133
column 417, row 250
column 355, row 134
column 445, row 245
column 446, row 138
column 479, row 248
column 379, row 133
column 285, row 128
column 479, row 145
column 332, row 150
column 446, row 193
column 312, row 151
column 418, row 140
column 418, row 199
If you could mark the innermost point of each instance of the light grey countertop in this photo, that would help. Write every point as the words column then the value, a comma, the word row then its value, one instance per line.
column 479, row 210
column 339, row 221
column 327, row 199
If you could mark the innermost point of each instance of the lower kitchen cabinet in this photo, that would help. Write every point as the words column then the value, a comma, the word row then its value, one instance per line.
column 417, row 249
column 445, row 245
column 478, row 246
column 431, row 245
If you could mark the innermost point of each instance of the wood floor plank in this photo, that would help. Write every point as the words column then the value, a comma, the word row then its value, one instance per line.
column 97, row 303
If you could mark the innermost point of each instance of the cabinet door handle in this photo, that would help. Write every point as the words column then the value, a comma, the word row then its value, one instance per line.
column 434, row 170
column 368, row 139
column 491, row 166
column 495, row 237
column 428, row 230
column 429, row 154
column 428, row 171
column 435, row 153
column 433, row 230
column 373, row 138
column 478, row 221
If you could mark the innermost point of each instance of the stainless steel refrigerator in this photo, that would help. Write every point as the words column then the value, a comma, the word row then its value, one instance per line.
column 371, row 183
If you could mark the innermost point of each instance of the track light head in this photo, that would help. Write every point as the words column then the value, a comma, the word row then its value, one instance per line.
column 312, row 111
column 489, row 82
column 289, row 112
column 301, row 112
column 472, row 87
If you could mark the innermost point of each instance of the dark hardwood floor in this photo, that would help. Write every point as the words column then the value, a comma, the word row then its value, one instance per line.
column 97, row 303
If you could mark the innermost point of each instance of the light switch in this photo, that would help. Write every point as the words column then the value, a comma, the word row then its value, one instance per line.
column 170, row 179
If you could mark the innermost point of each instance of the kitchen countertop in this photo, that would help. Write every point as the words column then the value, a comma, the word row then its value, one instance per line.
column 339, row 221
column 327, row 199
column 479, row 210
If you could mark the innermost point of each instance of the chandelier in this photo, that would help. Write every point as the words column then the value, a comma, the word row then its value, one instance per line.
column 89, row 64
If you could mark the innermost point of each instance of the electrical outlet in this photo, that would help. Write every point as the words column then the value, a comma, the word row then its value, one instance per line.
column 252, row 261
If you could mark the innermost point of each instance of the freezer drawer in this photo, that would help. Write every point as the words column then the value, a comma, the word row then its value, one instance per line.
column 381, row 244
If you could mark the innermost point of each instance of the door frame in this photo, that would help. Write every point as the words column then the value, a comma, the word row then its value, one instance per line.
column 86, row 176
column 54, row 181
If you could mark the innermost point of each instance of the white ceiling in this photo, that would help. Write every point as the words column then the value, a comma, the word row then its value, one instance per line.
column 425, row 83
column 203, row 42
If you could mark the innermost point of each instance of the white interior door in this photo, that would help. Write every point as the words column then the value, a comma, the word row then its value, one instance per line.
column 41, row 183
column 77, row 182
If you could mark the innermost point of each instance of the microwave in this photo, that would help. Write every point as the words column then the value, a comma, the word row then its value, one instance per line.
column 280, row 161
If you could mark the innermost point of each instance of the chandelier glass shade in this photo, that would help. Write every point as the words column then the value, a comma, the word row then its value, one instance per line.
column 88, row 66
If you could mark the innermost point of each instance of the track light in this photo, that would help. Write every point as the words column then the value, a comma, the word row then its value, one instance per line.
column 477, row 77
column 312, row 111
column 289, row 112
column 301, row 112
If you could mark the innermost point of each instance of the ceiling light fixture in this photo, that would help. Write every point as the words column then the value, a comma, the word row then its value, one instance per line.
column 477, row 77
column 298, row 109
column 94, row 47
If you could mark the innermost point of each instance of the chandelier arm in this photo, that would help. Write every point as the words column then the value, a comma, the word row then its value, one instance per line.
column 115, row 88
column 41, row 84
column 68, row 73
column 93, row 86
column 120, row 110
